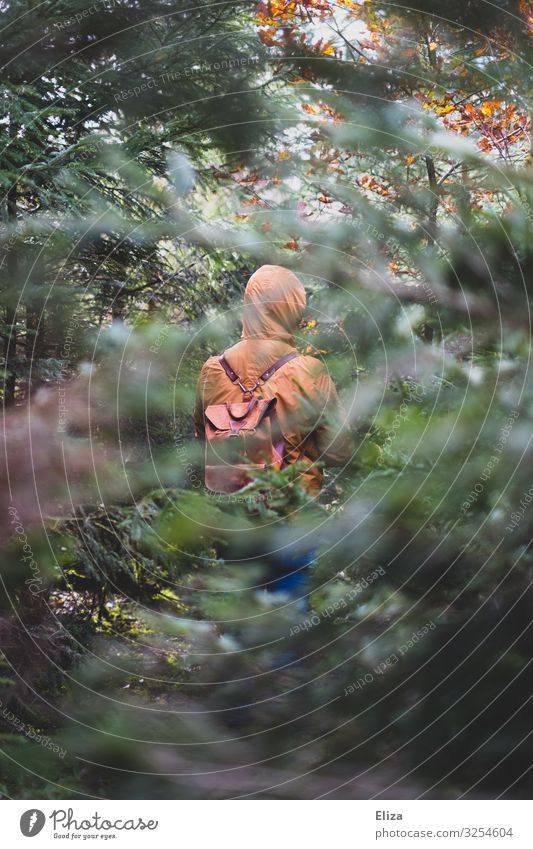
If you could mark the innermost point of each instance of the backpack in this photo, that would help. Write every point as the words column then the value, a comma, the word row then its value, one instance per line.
column 244, row 437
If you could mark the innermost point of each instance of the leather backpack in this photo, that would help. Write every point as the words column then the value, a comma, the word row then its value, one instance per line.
column 242, row 437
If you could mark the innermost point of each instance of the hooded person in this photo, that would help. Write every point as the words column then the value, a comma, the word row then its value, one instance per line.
column 311, row 418
column 310, row 415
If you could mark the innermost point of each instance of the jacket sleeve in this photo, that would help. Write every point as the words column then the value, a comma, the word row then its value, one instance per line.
column 331, row 434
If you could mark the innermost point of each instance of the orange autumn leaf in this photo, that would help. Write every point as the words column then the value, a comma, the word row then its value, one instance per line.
column 326, row 49
column 526, row 8
column 266, row 36
column 490, row 106
column 284, row 11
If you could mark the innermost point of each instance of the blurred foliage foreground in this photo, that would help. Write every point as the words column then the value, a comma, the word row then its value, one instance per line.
column 385, row 157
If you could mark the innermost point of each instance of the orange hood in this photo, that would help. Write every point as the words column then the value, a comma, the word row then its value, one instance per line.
column 274, row 301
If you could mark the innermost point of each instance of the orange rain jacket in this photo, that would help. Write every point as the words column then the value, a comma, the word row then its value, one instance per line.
column 309, row 410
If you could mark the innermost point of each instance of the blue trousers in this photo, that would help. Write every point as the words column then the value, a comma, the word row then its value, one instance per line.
column 290, row 572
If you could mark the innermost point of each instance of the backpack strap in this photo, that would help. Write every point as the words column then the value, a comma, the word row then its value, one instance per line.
column 234, row 377
column 278, row 364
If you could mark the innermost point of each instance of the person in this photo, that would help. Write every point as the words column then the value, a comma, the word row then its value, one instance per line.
column 310, row 414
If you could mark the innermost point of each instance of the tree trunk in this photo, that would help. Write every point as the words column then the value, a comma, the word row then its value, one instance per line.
column 12, row 265
column 35, row 322
column 434, row 205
